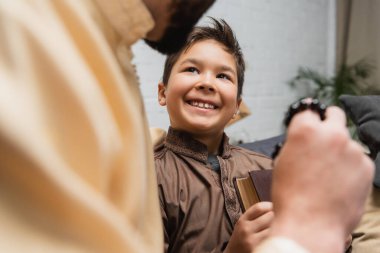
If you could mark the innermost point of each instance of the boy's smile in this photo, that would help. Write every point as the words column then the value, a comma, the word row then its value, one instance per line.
column 201, row 93
column 201, row 104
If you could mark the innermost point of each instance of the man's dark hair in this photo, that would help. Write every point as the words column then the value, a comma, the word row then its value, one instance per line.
column 221, row 32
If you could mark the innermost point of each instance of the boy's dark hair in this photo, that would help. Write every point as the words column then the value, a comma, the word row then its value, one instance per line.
column 220, row 32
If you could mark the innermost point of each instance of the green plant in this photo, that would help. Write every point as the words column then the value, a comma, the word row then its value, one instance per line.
column 350, row 79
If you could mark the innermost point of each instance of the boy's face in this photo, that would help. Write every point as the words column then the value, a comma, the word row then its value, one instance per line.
column 201, row 93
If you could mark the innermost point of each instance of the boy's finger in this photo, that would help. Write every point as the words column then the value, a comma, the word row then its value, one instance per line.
column 257, row 210
column 262, row 222
column 259, row 236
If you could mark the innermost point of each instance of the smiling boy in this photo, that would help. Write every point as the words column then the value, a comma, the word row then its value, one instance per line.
column 196, row 165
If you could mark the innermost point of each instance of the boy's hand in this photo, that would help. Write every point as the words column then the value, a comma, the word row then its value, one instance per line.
column 251, row 228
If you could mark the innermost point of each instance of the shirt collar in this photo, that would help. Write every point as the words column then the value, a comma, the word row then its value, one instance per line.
column 130, row 18
column 181, row 142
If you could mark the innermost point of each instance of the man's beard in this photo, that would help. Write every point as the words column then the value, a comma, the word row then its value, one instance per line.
column 185, row 16
column 172, row 41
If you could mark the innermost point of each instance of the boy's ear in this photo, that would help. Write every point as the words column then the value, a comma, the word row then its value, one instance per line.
column 237, row 108
column 238, row 104
column 161, row 94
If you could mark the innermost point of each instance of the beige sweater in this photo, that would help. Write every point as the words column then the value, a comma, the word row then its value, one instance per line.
column 76, row 164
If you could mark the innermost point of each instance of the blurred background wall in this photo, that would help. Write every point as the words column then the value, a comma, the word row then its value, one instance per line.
column 358, row 33
column 277, row 37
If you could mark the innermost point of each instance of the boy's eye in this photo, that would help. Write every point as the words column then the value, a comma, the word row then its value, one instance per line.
column 223, row 76
column 192, row 70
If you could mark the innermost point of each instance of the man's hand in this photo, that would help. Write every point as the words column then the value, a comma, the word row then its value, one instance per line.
column 321, row 180
column 251, row 228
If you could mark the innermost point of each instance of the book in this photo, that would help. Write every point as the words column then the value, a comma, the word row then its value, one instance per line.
column 254, row 188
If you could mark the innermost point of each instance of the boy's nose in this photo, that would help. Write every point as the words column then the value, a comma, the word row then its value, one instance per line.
column 206, row 84
column 206, row 87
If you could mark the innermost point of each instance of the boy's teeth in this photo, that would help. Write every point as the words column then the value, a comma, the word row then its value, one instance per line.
column 202, row 105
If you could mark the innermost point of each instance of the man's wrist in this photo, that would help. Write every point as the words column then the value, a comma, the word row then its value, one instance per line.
column 310, row 235
column 280, row 244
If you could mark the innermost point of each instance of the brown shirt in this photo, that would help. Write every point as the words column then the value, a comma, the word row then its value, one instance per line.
column 199, row 204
